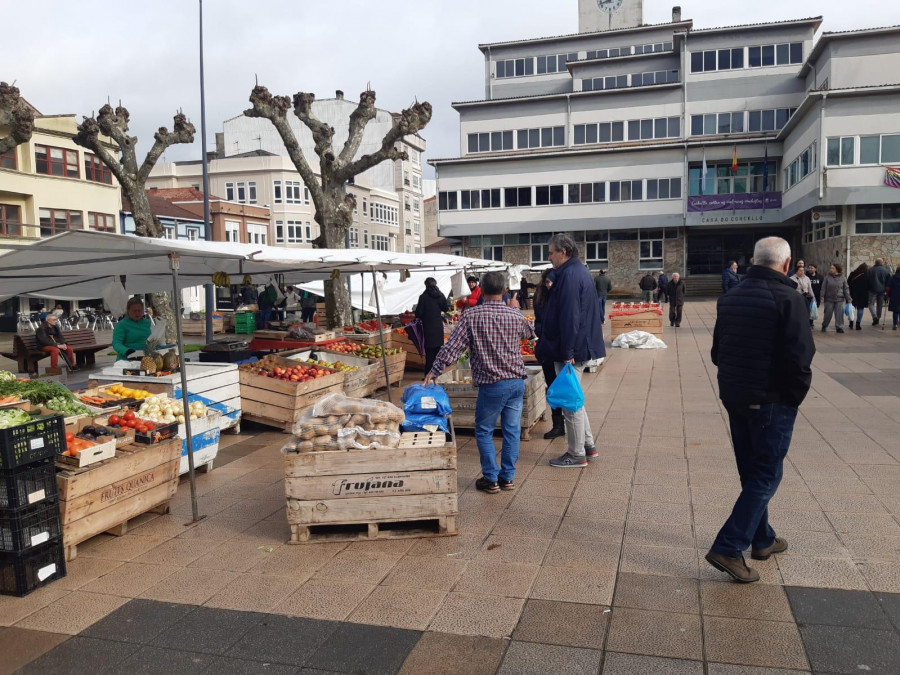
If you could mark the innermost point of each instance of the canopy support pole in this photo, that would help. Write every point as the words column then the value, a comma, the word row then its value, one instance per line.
column 176, row 297
column 387, row 379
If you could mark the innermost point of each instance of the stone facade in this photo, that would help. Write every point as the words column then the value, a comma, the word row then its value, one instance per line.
column 863, row 248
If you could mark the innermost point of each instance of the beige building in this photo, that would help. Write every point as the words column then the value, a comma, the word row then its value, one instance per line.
column 50, row 185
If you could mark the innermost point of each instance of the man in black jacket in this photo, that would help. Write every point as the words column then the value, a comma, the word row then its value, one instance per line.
column 763, row 348
column 647, row 285
column 571, row 333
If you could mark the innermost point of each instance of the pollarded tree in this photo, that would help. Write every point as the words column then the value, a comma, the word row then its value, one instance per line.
column 133, row 176
column 15, row 114
column 334, row 205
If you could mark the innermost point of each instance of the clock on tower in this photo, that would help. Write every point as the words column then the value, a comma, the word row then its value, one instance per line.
column 601, row 15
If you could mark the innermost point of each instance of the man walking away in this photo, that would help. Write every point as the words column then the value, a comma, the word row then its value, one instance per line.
column 647, row 285
column 603, row 284
column 493, row 334
column 676, row 300
column 571, row 333
column 764, row 349
column 730, row 277
column 663, row 290
column 879, row 275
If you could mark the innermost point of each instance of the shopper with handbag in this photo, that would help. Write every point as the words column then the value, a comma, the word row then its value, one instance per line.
column 804, row 288
column 835, row 292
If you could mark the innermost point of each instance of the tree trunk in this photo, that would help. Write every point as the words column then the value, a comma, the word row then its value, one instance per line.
column 337, row 298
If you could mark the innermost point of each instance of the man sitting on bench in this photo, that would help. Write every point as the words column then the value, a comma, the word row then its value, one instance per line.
column 50, row 340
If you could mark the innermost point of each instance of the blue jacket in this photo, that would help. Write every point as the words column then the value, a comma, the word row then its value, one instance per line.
column 729, row 280
column 570, row 325
column 663, row 282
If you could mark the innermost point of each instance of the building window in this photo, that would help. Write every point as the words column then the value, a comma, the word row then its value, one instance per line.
column 380, row 242
column 801, row 167
column 586, row 193
column 96, row 170
column 718, row 123
column 417, row 181
column 388, row 215
column 769, row 120
column 554, row 63
column 305, row 195
column 596, row 246
column 10, row 220
column 56, row 221
column 279, row 231
column 290, row 234
column 365, row 207
column 515, row 197
column 416, row 206
column 878, row 219
column 540, row 252
column 193, row 233
column 874, row 149
column 611, row 132
column 169, row 232
column 354, row 237
column 717, row 59
column 751, row 177
column 232, row 231
column 784, row 54
column 101, row 222
column 251, row 192
column 276, row 191
column 365, row 238
column 626, row 190
column 663, row 188
column 549, row 195
column 9, row 159
column 56, row 161
column 634, row 80
column 242, row 193
column 417, row 228
column 257, row 234
column 651, row 250
column 229, row 192
column 515, row 67
column 292, row 192
column 545, row 137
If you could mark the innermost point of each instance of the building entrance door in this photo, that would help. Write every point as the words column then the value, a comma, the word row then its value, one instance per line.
column 710, row 252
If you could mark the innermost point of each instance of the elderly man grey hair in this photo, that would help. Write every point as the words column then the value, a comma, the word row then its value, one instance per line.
column 773, row 252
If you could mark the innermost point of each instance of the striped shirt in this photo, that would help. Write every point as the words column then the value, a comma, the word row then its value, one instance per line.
column 493, row 334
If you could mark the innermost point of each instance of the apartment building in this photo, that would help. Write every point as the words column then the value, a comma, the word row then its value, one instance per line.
column 50, row 185
column 664, row 147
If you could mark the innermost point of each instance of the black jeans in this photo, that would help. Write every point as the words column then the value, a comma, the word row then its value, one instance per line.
column 675, row 314
column 430, row 356
column 761, row 437
column 307, row 314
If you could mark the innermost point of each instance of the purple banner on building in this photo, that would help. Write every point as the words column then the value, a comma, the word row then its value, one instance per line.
column 745, row 202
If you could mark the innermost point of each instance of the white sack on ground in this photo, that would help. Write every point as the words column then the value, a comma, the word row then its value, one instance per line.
column 639, row 340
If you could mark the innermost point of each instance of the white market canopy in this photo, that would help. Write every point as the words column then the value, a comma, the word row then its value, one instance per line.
column 79, row 264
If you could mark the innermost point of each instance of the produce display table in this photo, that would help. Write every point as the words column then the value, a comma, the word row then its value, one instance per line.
column 390, row 493
column 104, row 497
column 463, row 395
column 273, row 345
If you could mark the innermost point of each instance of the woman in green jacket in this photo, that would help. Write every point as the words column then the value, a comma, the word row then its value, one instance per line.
column 132, row 332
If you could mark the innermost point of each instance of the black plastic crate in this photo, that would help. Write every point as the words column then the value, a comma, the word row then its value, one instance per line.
column 28, row 485
column 23, row 572
column 22, row 529
column 44, row 436
column 225, row 357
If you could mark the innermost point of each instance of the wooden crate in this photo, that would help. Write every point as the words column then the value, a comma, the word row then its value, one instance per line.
column 464, row 395
column 357, row 383
column 649, row 322
column 372, row 338
column 105, row 496
column 277, row 403
column 409, row 491
column 198, row 326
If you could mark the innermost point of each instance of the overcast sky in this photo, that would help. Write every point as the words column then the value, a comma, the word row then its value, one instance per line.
column 76, row 55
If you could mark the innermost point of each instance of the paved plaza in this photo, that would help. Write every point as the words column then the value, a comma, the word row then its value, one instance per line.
column 596, row 570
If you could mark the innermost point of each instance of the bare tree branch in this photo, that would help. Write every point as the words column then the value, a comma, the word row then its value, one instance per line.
column 411, row 121
column 88, row 136
column 183, row 133
column 359, row 118
column 322, row 133
column 274, row 109
column 15, row 114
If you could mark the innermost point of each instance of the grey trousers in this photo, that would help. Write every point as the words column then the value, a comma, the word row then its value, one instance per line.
column 578, row 428
column 835, row 308
column 876, row 300
column 647, row 296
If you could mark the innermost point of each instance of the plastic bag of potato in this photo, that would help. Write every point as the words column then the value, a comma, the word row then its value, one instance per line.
column 338, row 422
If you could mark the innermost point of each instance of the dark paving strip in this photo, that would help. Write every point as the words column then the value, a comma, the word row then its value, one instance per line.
column 845, row 344
column 869, row 384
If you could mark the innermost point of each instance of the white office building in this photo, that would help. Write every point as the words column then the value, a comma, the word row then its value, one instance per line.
column 605, row 134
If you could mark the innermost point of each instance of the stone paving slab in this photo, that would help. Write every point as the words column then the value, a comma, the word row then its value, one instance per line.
column 615, row 548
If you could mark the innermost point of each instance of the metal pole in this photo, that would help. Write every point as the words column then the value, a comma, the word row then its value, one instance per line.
column 210, row 289
column 387, row 379
column 173, row 259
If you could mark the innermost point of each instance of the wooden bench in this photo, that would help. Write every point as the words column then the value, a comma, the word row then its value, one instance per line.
column 27, row 352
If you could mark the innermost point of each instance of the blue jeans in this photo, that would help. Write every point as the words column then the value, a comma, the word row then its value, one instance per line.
column 501, row 399
column 761, row 437
column 602, row 299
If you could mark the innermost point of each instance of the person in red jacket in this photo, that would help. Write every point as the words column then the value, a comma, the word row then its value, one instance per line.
column 475, row 295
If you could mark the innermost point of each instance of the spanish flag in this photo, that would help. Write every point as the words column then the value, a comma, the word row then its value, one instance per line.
column 734, row 161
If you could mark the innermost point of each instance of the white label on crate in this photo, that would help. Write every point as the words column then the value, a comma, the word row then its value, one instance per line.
column 428, row 403
column 40, row 538
column 46, row 572
column 36, row 496
column 37, row 443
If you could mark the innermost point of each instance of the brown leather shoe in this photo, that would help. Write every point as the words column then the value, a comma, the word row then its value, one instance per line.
column 778, row 546
column 736, row 568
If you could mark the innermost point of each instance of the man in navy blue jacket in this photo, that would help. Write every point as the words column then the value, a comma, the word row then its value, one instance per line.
column 571, row 333
column 730, row 277
column 764, row 351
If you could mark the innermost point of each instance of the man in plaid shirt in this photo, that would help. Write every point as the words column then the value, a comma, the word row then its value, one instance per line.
column 492, row 332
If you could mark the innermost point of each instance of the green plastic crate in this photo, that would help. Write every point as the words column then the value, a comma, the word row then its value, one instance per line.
column 244, row 322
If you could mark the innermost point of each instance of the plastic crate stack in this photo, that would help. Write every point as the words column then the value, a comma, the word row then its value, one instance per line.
column 31, row 548
column 244, row 322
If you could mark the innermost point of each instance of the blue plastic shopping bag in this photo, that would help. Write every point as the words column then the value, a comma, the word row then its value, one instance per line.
column 431, row 399
column 565, row 392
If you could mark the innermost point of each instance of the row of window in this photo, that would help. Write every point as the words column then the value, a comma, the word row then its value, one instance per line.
column 385, row 214
column 556, row 195
column 610, row 132
column 750, row 178
column 626, row 81
column 874, row 149
column 293, row 232
column 380, row 242
column 416, row 180
column 878, row 219
column 820, row 231
column 57, row 221
column 522, row 139
column 789, row 53
column 629, row 51
column 556, row 63
column 294, row 192
column 741, row 121
column 242, row 192
column 53, row 161
column 801, row 167
column 415, row 204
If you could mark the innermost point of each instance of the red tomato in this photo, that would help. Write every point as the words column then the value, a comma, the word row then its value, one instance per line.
column 69, row 437
column 115, row 420
column 141, row 428
column 129, row 415
column 150, row 425
column 131, row 424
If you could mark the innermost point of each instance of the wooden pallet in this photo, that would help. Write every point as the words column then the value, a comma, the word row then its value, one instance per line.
column 443, row 526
